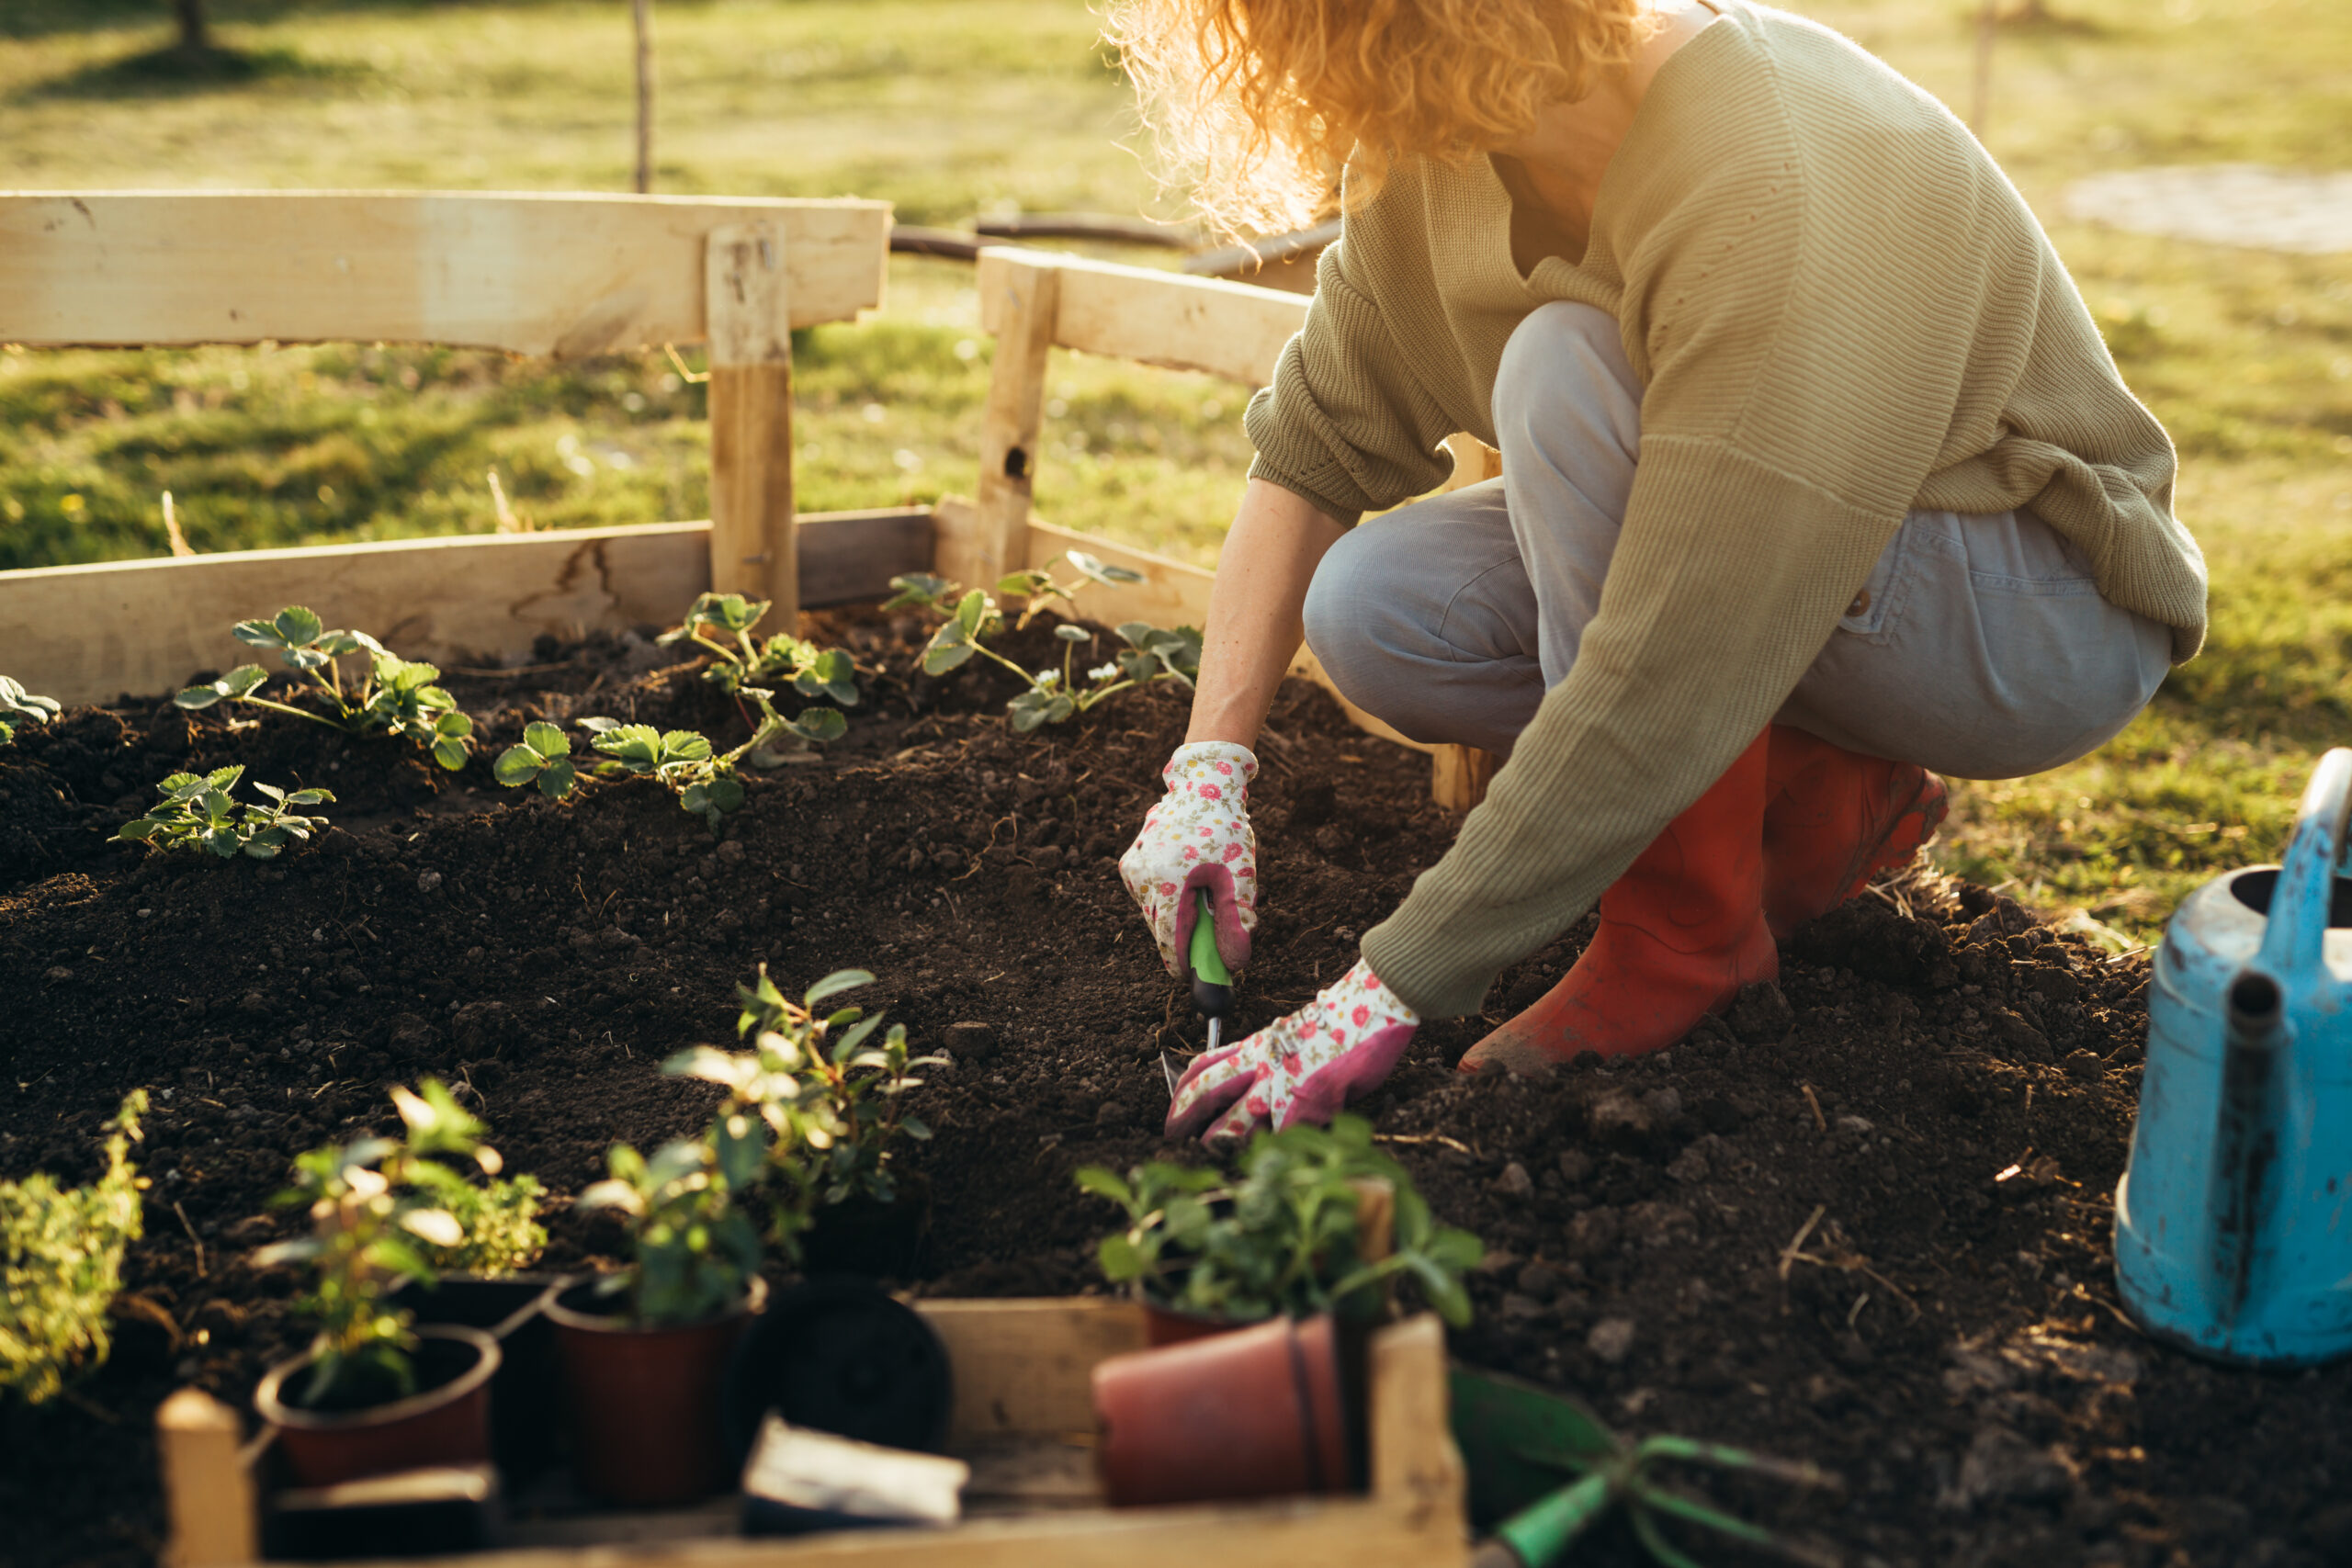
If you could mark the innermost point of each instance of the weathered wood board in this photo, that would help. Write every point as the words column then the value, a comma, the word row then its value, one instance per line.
column 89, row 633
column 560, row 275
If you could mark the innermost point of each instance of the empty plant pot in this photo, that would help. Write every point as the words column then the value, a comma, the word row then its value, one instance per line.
column 645, row 1401
column 1256, row 1413
column 445, row 1422
column 843, row 1357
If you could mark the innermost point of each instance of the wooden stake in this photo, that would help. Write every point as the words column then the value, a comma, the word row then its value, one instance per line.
column 172, row 528
column 1023, row 297
column 208, row 1494
column 748, row 323
column 641, row 13
column 1459, row 776
column 1979, row 110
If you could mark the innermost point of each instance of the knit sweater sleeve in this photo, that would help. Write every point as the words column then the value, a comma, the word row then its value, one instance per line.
column 1346, row 423
column 1798, row 391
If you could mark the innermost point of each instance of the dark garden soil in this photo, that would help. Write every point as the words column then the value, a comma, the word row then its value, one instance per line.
column 1865, row 1221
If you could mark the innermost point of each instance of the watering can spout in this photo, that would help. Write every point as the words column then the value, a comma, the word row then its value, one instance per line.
column 2246, row 1142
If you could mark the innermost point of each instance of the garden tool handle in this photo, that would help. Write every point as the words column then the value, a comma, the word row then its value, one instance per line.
column 1212, row 983
column 2294, row 944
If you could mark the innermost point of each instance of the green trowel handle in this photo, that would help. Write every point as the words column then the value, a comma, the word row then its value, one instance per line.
column 1538, row 1535
column 1212, row 984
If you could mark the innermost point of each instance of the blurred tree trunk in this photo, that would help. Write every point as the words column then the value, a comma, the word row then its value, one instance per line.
column 196, row 37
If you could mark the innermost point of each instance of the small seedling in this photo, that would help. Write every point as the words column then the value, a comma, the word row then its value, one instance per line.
column 61, row 1264
column 1552, row 1469
column 380, row 1208
column 1053, row 696
column 706, row 782
column 723, row 622
column 196, row 813
column 543, row 757
column 1282, row 1235
column 20, row 706
column 817, row 1098
column 695, row 1248
column 396, row 695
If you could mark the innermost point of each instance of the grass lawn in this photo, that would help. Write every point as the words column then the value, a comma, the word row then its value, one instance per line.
column 952, row 107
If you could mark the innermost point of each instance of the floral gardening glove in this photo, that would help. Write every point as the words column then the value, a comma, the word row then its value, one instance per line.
column 1198, row 836
column 1303, row 1067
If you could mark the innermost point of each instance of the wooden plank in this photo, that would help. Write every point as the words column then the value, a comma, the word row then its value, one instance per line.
column 560, row 275
column 87, row 634
column 1028, row 1366
column 1459, row 775
column 207, row 1492
column 748, row 314
column 1021, row 296
column 1416, row 1468
column 1233, row 329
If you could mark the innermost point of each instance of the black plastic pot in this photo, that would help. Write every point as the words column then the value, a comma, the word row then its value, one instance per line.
column 840, row 1356
column 525, row 1392
column 445, row 1422
column 644, row 1402
column 868, row 1237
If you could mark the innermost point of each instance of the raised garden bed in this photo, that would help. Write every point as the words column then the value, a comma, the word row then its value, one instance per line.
column 1865, row 1223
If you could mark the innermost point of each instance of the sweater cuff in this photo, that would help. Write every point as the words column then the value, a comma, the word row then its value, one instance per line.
column 1345, row 516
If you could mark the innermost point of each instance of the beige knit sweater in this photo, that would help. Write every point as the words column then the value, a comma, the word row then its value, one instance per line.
column 1840, row 309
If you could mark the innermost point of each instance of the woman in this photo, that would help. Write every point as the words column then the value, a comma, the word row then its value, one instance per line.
column 1816, row 478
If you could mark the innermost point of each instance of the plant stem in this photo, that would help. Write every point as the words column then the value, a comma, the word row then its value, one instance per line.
column 297, row 712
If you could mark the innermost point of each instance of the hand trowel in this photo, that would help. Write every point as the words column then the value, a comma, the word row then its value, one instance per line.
column 1212, row 984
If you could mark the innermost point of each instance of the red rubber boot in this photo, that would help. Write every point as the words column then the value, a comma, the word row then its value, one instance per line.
column 1680, row 932
column 1834, row 818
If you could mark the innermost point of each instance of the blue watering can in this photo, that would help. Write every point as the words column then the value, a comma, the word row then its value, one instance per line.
column 2234, row 1220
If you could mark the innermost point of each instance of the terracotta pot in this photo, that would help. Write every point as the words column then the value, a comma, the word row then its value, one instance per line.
column 1254, row 1412
column 645, row 1401
column 446, row 1422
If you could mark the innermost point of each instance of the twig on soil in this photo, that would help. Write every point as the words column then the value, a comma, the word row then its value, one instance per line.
column 1788, row 1253
column 191, row 1235
column 976, row 861
column 1416, row 1138
column 1818, row 1118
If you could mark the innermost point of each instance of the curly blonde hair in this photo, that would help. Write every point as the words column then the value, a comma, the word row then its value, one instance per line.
column 1259, row 104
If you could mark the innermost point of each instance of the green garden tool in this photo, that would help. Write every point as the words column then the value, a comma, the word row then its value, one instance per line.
column 1544, row 1468
column 1212, row 983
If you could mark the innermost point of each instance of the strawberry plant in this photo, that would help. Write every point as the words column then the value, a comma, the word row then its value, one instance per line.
column 1279, row 1236
column 815, row 1102
column 380, row 1211
column 197, row 814
column 1052, row 695
column 20, row 706
column 61, row 1264
column 706, row 781
column 394, row 694
column 723, row 622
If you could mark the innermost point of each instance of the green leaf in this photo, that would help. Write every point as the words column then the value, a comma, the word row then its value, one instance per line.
column 1121, row 1259
column 296, row 624
column 547, row 739
column 725, row 793
column 1027, row 716
column 971, row 612
column 1073, row 633
column 1103, row 1183
column 684, row 746
column 1100, row 571
column 451, row 754
column 834, row 984
column 453, row 723
column 819, row 724
column 196, row 697
column 556, row 779
column 939, row 657
column 517, row 765
column 242, row 680
column 1024, row 583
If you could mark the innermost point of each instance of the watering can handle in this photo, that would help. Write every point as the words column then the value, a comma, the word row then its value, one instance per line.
column 2295, row 942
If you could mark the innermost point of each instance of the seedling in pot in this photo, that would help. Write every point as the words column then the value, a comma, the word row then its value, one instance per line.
column 197, row 814
column 817, row 1099
column 1053, row 696
column 381, row 1210
column 61, row 1264
column 1552, row 1469
column 20, row 706
column 1280, row 1235
column 723, row 622
column 694, row 1245
column 395, row 694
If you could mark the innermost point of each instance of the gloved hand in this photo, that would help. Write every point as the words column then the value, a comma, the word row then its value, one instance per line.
column 1198, row 836
column 1303, row 1067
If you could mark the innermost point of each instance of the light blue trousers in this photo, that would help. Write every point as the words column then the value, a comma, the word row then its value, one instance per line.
column 1980, row 647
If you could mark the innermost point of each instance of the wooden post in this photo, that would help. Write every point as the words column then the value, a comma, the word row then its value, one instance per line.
column 642, row 14
column 1026, row 305
column 1980, row 105
column 208, row 1494
column 747, row 321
